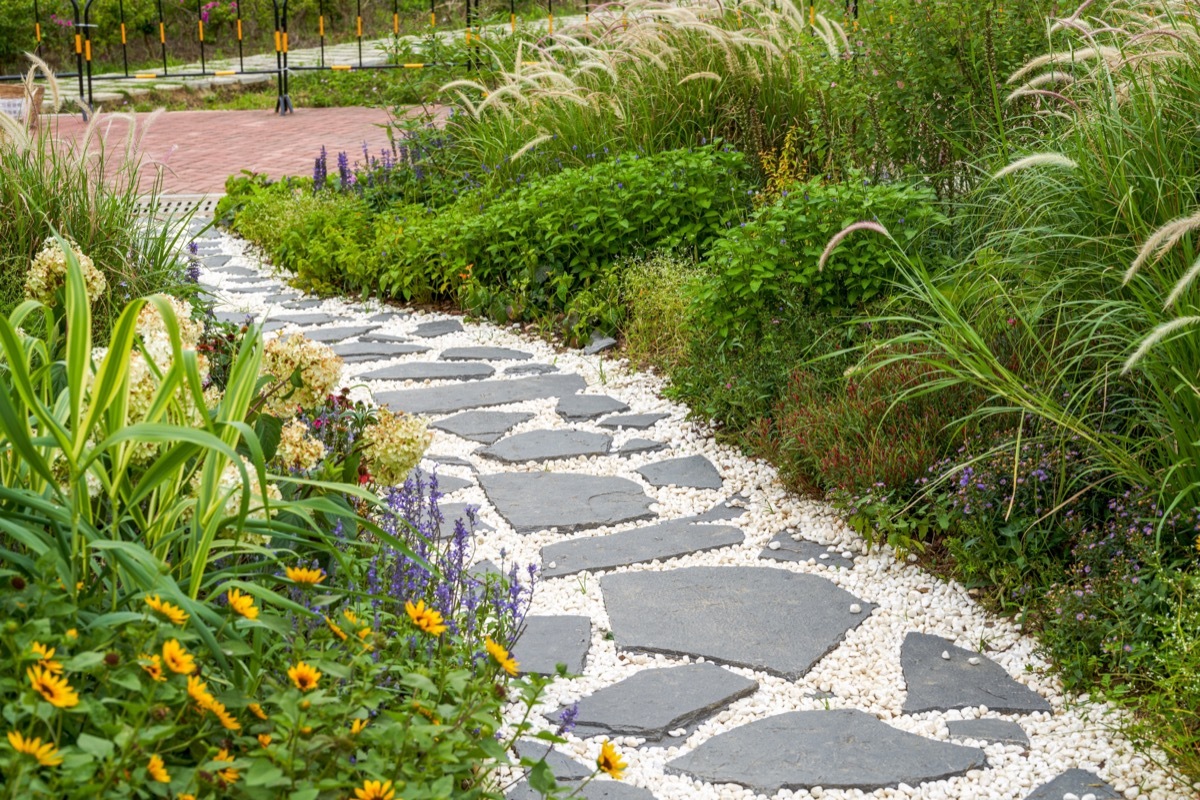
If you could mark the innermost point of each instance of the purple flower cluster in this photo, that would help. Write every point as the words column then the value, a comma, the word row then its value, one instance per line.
column 320, row 170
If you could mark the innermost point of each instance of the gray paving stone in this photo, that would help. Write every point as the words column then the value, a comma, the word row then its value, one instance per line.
column 481, row 570
column 654, row 543
column 385, row 337
column 448, row 461
column 535, row 501
column 338, row 334
column 692, row 472
column 453, row 512
column 652, row 702
column 215, row 261
column 303, row 320
column 257, row 288
column 729, row 509
column 232, row 317
column 1075, row 781
column 635, row 446
column 762, row 618
column 301, row 305
column 599, row 344
column 530, row 369
column 446, row 483
column 482, row 426
column 546, row 445
column 632, row 421
column 441, row 327
column 563, row 766
column 839, row 749
column 588, row 406
column 599, row 789
column 430, row 371
column 388, row 316
column 988, row 730
column 483, row 354
column 281, row 297
column 550, row 640
column 358, row 352
column 803, row 550
column 940, row 684
column 447, row 399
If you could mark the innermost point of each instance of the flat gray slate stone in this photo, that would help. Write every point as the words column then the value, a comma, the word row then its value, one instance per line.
column 988, row 730
column 232, row 317
column 652, row 702
column 482, row 426
column 481, row 570
column 303, row 319
column 1077, row 781
column 257, row 288
column 692, row 472
column 430, row 371
column 281, row 297
column 635, row 446
column 762, row 618
column 446, row 483
column 632, row 421
column 563, row 766
column 535, row 501
column 428, row 330
column 300, row 305
column 338, row 334
column 530, row 369
column 839, row 749
column 599, row 344
column 655, row 543
column 939, row 684
column 448, row 461
column 803, row 550
column 729, row 509
column 242, row 272
column 358, row 352
column 448, row 399
column 598, row 789
column 548, row 641
column 386, row 337
column 545, row 445
column 483, row 354
column 388, row 316
column 588, row 406
column 215, row 261
column 453, row 512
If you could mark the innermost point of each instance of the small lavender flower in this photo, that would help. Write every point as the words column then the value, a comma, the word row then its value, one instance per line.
column 320, row 170
column 344, row 174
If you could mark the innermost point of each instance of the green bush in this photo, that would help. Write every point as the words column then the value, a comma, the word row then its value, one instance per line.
column 655, row 294
column 770, row 263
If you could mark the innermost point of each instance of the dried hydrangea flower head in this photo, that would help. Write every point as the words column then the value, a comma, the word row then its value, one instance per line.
column 48, row 272
column 297, row 450
column 394, row 445
column 320, row 370
column 156, row 342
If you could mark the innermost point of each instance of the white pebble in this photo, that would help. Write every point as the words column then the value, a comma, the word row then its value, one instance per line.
column 823, row 556
column 946, row 656
column 774, row 546
column 974, row 662
column 855, row 608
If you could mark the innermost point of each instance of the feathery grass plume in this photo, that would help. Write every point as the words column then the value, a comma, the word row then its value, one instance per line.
column 825, row 34
column 1035, row 160
column 1183, row 284
column 695, row 76
column 1160, row 242
column 51, row 81
column 1157, row 335
column 532, row 143
column 1107, row 53
column 14, row 133
column 1038, row 81
column 843, row 233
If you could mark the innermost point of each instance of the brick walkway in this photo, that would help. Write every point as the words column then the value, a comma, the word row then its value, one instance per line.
column 197, row 150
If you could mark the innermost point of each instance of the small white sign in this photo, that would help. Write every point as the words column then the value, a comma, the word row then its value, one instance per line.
column 14, row 107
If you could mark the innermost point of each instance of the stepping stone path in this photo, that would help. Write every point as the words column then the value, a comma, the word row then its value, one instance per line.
column 736, row 634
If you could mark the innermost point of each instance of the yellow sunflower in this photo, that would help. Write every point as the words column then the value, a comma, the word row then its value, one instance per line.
column 424, row 618
column 376, row 790
column 177, row 658
column 242, row 604
column 264, row 739
column 610, row 761
column 158, row 770
column 356, row 727
column 333, row 626
column 501, row 656
column 46, row 754
column 153, row 666
column 46, row 658
column 198, row 691
column 229, row 774
column 305, row 575
column 304, row 676
column 55, row 689
column 173, row 613
column 257, row 710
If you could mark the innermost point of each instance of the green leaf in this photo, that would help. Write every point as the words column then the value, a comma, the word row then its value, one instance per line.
column 94, row 746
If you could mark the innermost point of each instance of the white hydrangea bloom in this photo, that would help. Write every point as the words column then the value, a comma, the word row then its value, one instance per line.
column 320, row 371
column 394, row 445
column 48, row 272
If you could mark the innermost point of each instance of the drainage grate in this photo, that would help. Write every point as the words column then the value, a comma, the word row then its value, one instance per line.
column 171, row 204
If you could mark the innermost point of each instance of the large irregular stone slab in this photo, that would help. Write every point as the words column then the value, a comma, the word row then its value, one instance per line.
column 441, row 327
column 803, row 550
column 655, row 543
column 357, row 352
column 563, row 766
column 530, row 369
column 577, row 407
column 448, row 399
column 430, row 371
column 445, row 483
column 635, row 446
column 599, row 344
column 216, row 261
column 303, row 305
column 692, row 472
column 338, row 334
column 729, row 509
column 762, row 618
column 385, row 337
column 548, row 641
column 547, row 445
column 599, row 789
column 303, row 320
column 241, row 272
column 482, row 426
column 234, row 317
column 632, row 421
column 839, row 749
column 453, row 512
column 535, row 501
column 483, row 354
column 652, row 702
column 988, row 730
column 1077, row 782
column 940, row 684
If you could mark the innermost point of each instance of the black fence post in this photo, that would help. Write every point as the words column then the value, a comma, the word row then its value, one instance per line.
column 321, row 28
column 124, row 44
column 241, row 57
column 37, row 28
column 78, row 28
column 162, row 36
column 358, row 23
column 87, row 50
column 200, row 33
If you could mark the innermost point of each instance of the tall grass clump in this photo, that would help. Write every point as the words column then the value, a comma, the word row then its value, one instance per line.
column 87, row 190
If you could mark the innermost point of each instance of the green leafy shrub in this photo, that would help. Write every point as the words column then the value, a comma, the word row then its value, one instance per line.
column 772, row 260
column 654, row 290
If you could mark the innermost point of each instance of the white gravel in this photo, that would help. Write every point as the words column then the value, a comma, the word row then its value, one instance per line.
column 862, row 673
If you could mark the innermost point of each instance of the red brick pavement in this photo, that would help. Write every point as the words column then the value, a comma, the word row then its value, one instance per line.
column 197, row 150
